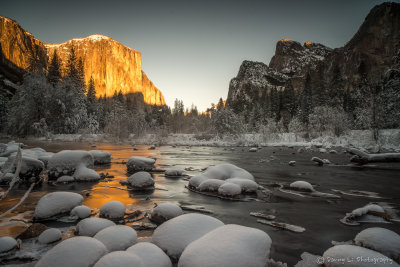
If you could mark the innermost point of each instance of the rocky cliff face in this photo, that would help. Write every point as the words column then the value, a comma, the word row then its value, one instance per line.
column 364, row 58
column 112, row 65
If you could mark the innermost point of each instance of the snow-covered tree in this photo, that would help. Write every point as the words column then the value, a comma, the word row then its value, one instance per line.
column 326, row 119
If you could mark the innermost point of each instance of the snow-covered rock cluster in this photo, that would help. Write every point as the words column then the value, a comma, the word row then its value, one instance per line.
column 66, row 166
column 225, row 180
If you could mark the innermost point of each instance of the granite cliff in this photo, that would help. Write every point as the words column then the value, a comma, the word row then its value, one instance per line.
column 112, row 65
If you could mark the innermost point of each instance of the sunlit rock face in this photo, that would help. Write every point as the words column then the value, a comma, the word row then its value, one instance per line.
column 114, row 67
column 18, row 45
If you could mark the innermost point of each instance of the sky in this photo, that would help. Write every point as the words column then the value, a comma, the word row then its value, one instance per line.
column 191, row 49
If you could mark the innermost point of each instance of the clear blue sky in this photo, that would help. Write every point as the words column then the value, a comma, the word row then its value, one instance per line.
column 191, row 49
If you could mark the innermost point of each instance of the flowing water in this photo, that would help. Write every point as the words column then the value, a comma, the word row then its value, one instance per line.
column 319, row 216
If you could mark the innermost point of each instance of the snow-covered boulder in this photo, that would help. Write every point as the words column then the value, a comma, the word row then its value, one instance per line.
column 368, row 208
column 247, row 186
column 81, row 212
column 173, row 173
column 113, row 210
column 120, row 259
column 359, row 257
column 253, row 149
column 292, row 163
column 229, row 190
column 56, row 203
column 226, row 171
column 381, row 240
column 195, row 181
column 117, row 237
column 65, row 162
column 79, row 251
column 30, row 167
column 65, row 179
column 7, row 243
column 91, row 226
column 136, row 164
column 174, row 235
column 6, row 178
column 302, row 186
column 84, row 174
column 49, row 236
column 210, row 185
column 141, row 180
column 9, row 148
column 100, row 157
column 228, row 246
column 150, row 254
column 165, row 212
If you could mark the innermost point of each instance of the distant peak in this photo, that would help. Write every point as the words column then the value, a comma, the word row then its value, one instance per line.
column 308, row 43
column 285, row 40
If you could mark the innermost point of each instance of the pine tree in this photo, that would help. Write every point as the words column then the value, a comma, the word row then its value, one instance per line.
column 72, row 71
column 81, row 75
column 54, row 73
column 91, row 92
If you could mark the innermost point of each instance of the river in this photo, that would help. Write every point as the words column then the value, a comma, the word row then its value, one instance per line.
column 319, row 216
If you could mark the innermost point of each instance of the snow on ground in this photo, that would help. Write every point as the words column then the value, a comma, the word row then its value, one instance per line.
column 120, row 259
column 174, row 235
column 117, row 237
column 101, row 157
column 84, row 174
column 65, row 162
column 56, row 203
column 77, row 251
column 136, row 164
column 381, row 240
column 113, row 210
column 354, row 256
column 81, row 212
column 228, row 246
column 150, row 254
column 91, row 226
column 49, row 236
column 165, row 212
column 141, row 180
column 7, row 243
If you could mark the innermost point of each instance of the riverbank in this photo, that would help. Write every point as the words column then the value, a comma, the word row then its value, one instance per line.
column 388, row 140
